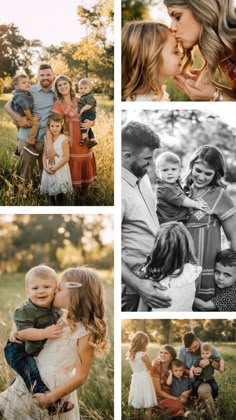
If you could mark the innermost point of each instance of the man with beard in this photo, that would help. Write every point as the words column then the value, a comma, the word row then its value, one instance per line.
column 139, row 219
column 43, row 97
column 188, row 354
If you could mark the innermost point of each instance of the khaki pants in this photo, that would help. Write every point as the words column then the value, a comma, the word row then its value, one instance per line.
column 33, row 131
column 28, row 161
column 205, row 395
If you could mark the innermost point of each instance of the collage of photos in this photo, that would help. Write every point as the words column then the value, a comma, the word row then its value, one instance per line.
column 118, row 210
column 178, row 223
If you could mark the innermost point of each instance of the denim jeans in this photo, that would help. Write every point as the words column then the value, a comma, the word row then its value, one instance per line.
column 24, row 364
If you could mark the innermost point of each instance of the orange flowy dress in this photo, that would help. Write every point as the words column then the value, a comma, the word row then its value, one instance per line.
column 82, row 161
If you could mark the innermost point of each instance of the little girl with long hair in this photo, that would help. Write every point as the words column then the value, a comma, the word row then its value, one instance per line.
column 56, row 179
column 172, row 264
column 142, row 392
column 65, row 362
column 150, row 55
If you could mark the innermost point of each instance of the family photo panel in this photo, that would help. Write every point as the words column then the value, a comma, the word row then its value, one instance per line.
column 56, row 104
column 56, row 317
column 178, row 210
column 178, row 368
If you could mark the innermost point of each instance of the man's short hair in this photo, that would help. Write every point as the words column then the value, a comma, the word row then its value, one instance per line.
column 45, row 67
column 138, row 135
column 188, row 339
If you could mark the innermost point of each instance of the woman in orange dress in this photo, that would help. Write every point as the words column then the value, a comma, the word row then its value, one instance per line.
column 82, row 161
column 168, row 404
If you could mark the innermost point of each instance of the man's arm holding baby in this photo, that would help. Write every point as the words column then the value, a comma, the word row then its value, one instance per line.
column 17, row 118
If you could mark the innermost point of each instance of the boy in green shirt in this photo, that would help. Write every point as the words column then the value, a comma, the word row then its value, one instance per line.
column 36, row 321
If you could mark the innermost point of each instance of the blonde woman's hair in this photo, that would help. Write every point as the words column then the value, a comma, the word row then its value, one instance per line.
column 42, row 271
column 139, row 342
column 142, row 44
column 86, row 304
column 218, row 33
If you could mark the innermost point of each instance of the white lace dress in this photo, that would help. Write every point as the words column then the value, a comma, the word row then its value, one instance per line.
column 60, row 182
column 181, row 289
column 56, row 363
column 142, row 393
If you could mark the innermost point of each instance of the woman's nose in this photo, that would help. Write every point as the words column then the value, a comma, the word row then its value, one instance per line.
column 173, row 26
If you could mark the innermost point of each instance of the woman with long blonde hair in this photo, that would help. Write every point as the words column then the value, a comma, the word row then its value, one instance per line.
column 210, row 25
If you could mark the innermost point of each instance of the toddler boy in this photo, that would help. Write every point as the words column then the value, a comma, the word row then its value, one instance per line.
column 22, row 102
column 180, row 384
column 207, row 373
column 225, row 279
column 87, row 111
column 35, row 322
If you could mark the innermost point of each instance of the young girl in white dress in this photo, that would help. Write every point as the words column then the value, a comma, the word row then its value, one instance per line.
column 142, row 392
column 65, row 362
column 172, row 263
column 150, row 55
column 56, row 179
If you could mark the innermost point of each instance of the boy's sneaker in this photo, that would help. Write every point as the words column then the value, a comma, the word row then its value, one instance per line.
column 91, row 144
column 31, row 149
column 83, row 141
column 60, row 406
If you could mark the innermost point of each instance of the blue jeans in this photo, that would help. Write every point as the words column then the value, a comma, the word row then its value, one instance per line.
column 24, row 364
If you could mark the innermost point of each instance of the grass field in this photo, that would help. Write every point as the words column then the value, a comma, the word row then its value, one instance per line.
column 96, row 395
column 100, row 194
column 226, row 381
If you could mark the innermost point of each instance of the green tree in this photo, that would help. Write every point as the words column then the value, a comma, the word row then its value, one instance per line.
column 15, row 51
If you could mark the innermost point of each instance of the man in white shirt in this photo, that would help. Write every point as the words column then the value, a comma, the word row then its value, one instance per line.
column 139, row 219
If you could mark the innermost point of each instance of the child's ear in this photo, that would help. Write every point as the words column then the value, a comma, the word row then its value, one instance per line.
column 27, row 291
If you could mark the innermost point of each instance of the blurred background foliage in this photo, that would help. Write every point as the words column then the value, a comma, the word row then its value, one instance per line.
column 57, row 240
column 165, row 331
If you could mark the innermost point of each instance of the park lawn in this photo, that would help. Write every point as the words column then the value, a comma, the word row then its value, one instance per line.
column 101, row 193
column 96, row 396
column 226, row 382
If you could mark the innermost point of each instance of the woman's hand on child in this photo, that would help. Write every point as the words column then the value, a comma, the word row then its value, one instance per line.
column 43, row 400
column 54, row 331
column 195, row 89
column 201, row 205
column 51, row 154
column 152, row 297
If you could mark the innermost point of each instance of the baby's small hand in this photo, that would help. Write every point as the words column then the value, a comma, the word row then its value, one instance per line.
column 54, row 331
column 201, row 205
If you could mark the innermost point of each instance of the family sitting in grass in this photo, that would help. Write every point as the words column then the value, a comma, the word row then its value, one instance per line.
column 171, row 386
column 52, row 350
column 30, row 108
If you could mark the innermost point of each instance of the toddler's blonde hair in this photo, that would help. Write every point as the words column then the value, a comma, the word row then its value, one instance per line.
column 42, row 271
